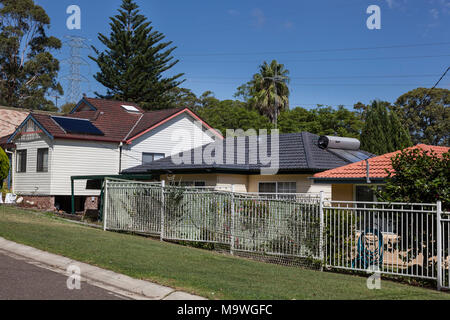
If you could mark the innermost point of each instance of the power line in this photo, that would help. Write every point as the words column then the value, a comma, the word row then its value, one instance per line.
column 428, row 93
column 317, row 50
column 332, row 77
column 325, row 84
column 326, row 59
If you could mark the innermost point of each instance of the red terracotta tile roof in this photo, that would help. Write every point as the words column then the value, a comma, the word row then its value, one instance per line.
column 111, row 118
column 10, row 119
column 377, row 165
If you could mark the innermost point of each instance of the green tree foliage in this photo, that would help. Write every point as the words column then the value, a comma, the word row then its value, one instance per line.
column 4, row 166
column 28, row 69
column 135, row 60
column 418, row 176
column 427, row 122
column 321, row 121
column 230, row 114
column 183, row 98
column 268, row 90
column 383, row 132
column 66, row 108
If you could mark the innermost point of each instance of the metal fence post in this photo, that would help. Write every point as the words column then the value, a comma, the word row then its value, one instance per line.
column 163, row 185
column 105, row 207
column 322, row 255
column 439, row 244
column 232, row 240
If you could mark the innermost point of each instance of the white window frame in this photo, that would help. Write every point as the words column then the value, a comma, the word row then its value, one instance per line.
column 153, row 154
column 193, row 182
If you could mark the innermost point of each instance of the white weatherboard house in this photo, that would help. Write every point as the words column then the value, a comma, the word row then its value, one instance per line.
column 99, row 137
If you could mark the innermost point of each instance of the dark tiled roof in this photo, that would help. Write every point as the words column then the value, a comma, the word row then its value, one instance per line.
column 298, row 152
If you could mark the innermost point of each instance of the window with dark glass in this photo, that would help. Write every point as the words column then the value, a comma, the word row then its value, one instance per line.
column 364, row 193
column 277, row 187
column 42, row 160
column 267, row 187
column 150, row 157
column 21, row 159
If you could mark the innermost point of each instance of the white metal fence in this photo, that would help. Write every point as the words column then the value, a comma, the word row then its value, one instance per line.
column 285, row 231
column 301, row 229
column 443, row 247
column 398, row 238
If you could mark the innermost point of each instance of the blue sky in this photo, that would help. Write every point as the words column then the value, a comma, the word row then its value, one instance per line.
column 222, row 43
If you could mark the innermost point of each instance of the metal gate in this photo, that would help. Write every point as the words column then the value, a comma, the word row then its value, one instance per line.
column 396, row 238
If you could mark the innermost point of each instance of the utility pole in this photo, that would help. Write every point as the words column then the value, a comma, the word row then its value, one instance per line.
column 56, row 96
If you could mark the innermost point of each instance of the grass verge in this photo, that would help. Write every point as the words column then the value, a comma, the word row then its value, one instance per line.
column 209, row 274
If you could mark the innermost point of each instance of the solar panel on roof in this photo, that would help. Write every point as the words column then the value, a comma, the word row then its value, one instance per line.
column 78, row 126
column 360, row 155
column 346, row 154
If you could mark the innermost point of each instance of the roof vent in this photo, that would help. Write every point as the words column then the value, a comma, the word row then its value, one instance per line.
column 326, row 142
column 131, row 109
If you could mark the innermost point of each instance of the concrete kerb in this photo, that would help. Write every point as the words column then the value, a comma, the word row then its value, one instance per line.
column 140, row 287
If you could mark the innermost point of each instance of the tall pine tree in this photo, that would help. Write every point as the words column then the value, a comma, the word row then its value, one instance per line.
column 133, row 65
column 383, row 132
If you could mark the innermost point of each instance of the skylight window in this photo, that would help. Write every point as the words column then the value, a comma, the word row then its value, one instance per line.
column 130, row 108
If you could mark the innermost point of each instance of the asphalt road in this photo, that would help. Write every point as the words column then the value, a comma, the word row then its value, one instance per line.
column 21, row 280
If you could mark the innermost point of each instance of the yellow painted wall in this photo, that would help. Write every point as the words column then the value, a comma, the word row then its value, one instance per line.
column 342, row 192
column 249, row 183
column 210, row 179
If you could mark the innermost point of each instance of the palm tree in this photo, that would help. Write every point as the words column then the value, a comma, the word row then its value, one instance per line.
column 269, row 90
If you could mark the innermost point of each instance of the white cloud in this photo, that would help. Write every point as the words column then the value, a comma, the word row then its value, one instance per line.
column 259, row 18
column 390, row 3
column 434, row 13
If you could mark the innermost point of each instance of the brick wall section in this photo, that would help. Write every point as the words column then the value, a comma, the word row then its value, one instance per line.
column 91, row 203
column 38, row 202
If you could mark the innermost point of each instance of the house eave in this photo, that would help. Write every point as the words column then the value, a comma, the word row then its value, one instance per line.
column 347, row 180
column 220, row 171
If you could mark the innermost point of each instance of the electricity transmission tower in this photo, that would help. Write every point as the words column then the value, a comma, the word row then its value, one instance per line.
column 75, row 62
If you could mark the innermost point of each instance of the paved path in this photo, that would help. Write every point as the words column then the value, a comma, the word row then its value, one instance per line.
column 22, row 279
column 17, row 255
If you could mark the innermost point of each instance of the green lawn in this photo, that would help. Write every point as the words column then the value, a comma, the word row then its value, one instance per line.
column 205, row 273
